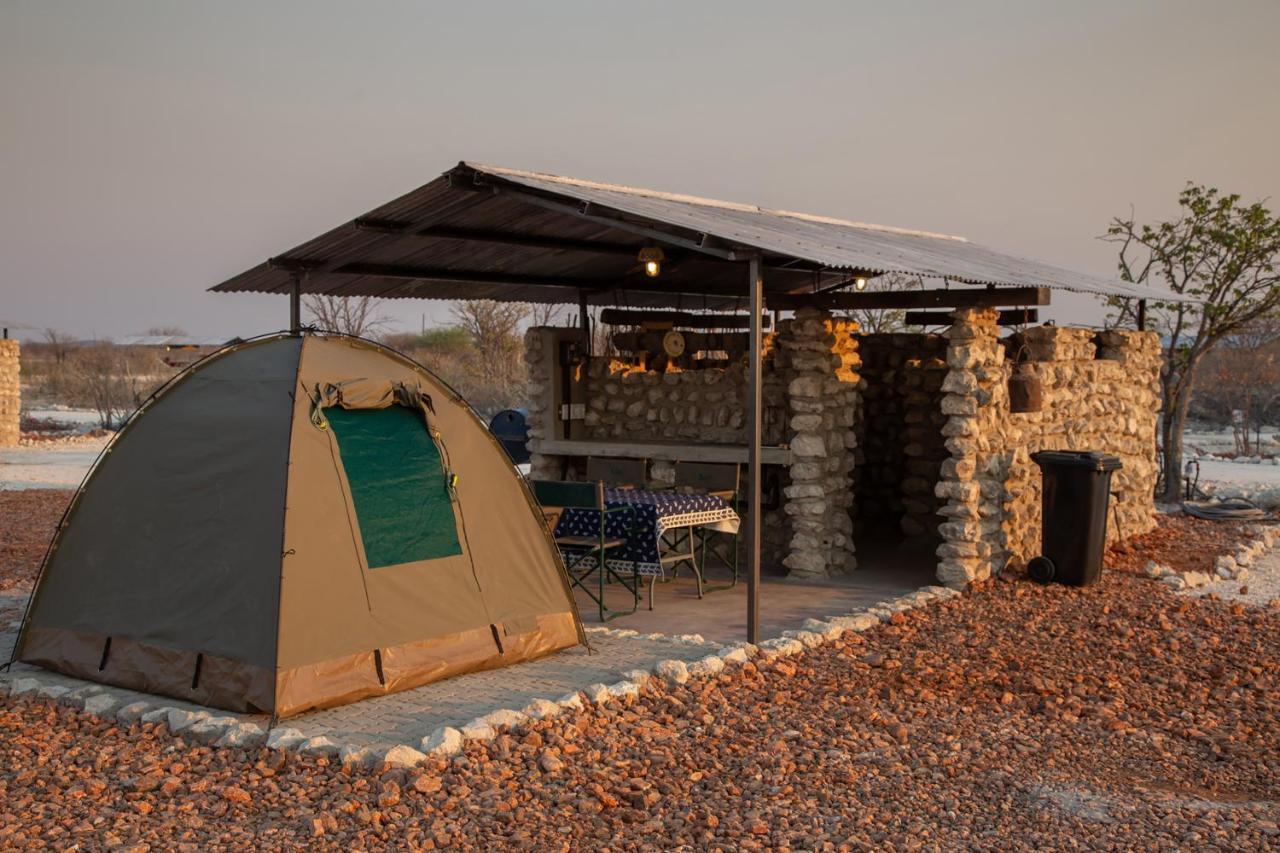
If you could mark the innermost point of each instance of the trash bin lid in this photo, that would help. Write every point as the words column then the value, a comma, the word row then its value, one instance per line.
column 1091, row 459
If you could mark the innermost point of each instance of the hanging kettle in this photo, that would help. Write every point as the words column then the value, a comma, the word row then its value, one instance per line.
column 1026, row 392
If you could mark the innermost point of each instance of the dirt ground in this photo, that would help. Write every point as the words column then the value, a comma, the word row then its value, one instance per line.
column 1018, row 717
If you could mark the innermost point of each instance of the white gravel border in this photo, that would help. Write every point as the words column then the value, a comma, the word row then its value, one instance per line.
column 218, row 729
column 1227, row 567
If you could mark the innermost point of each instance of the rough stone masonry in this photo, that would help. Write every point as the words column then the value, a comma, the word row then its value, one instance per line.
column 921, row 422
column 10, row 393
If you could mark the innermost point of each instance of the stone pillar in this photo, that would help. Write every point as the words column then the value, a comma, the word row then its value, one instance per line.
column 820, row 355
column 539, row 394
column 973, row 478
column 10, row 393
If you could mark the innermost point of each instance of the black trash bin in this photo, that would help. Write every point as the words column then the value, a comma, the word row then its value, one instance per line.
column 1076, row 493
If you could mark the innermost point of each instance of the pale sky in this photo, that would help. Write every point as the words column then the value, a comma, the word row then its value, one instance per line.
column 149, row 150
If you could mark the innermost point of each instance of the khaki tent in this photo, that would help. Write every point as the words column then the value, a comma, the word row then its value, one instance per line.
column 299, row 522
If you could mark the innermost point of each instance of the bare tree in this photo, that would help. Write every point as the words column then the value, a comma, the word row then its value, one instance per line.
column 1220, row 252
column 60, row 345
column 350, row 315
column 494, row 328
column 545, row 314
column 879, row 320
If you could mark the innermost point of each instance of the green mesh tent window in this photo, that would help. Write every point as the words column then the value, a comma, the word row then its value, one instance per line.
column 397, row 483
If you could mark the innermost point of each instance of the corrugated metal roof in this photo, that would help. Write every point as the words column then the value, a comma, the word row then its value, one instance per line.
column 833, row 243
column 482, row 231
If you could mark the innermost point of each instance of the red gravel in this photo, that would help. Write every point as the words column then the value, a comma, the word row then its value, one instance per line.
column 27, row 520
column 1184, row 543
column 1019, row 717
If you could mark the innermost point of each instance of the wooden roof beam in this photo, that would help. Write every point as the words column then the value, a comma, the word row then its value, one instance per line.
column 991, row 297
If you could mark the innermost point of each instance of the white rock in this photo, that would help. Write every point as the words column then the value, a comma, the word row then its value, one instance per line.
column 504, row 717
column 1156, row 570
column 570, row 700
column 211, row 730
column 180, row 720
column 478, row 729
column 622, row 689
column 357, row 754
column 1241, row 574
column 781, row 646
column 158, row 715
column 1195, row 579
column 444, row 741
column 709, row 665
column 1174, row 580
column 857, row 622
column 133, row 712
column 674, row 671
column 242, row 736
column 689, row 639
column 541, row 709
column 52, row 691
column 318, row 746
column 23, row 686
column 734, row 655
column 101, row 705
column 402, row 756
column 284, row 738
column 639, row 676
column 597, row 693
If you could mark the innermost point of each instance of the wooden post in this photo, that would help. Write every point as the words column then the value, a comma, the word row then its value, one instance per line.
column 1142, row 315
column 754, row 406
column 295, row 303
column 585, row 319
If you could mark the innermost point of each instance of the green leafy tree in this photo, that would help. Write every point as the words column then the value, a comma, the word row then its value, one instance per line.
column 1222, row 253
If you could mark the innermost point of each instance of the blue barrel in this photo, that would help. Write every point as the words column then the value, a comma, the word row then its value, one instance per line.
column 511, row 427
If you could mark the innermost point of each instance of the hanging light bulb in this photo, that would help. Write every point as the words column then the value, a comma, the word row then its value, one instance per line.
column 651, row 257
column 860, row 283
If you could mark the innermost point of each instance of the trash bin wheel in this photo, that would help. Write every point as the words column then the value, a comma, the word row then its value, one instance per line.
column 1041, row 569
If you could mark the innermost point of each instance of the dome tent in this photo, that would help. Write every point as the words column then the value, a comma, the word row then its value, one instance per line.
column 297, row 522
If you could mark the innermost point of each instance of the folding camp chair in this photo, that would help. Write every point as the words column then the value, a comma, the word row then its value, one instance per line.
column 556, row 496
column 619, row 473
column 722, row 481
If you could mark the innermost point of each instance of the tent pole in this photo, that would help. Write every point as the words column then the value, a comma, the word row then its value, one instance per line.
column 295, row 303
column 755, row 510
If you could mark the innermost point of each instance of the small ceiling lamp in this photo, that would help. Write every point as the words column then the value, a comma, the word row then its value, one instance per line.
column 860, row 284
column 651, row 257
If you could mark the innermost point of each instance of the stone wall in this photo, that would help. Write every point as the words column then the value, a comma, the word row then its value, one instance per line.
column 1100, row 392
column 900, row 442
column 10, row 393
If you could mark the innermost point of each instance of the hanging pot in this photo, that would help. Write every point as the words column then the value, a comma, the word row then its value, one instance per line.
column 1026, row 394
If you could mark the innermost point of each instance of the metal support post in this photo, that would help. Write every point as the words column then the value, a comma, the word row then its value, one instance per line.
column 754, row 419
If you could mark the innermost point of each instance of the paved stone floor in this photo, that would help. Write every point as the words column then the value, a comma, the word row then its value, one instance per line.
column 720, row 617
column 886, row 570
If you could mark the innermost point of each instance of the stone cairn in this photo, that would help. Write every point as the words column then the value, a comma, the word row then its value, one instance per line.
column 821, row 356
column 10, row 393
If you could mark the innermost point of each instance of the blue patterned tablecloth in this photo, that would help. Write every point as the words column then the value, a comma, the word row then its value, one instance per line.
column 652, row 514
